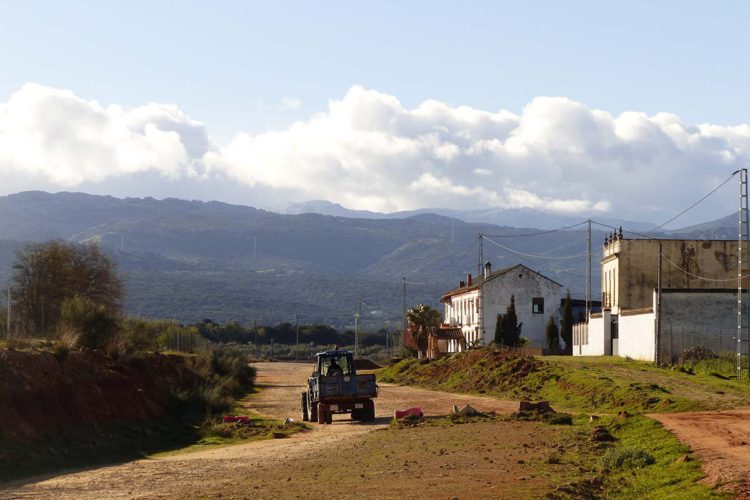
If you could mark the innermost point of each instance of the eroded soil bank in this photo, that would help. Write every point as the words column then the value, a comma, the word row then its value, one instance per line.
column 88, row 408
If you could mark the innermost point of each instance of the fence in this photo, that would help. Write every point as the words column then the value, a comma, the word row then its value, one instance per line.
column 179, row 341
column 686, row 344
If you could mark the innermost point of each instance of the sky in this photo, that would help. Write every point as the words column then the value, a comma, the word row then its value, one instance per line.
column 629, row 109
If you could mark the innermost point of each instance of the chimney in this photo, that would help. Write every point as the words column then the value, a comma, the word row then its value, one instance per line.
column 487, row 270
column 461, row 284
column 468, row 279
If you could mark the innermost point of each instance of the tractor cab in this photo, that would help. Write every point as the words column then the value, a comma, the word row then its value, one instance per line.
column 332, row 363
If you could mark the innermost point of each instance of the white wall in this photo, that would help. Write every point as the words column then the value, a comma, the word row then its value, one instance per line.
column 524, row 284
column 598, row 338
column 461, row 309
column 635, row 332
column 636, row 336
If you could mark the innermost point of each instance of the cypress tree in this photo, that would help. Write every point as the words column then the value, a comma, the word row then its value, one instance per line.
column 499, row 330
column 567, row 325
column 511, row 332
column 551, row 334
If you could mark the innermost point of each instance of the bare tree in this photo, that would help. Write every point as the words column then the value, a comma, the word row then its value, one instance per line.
column 47, row 274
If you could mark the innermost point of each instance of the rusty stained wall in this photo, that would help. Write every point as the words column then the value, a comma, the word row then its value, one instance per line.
column 636, row 264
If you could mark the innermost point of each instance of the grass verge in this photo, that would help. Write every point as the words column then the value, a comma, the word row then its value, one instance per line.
column 602, row 384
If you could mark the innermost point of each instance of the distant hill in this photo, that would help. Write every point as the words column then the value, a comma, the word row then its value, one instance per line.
column 509, row 217
column 725, row 228
column 191, row 260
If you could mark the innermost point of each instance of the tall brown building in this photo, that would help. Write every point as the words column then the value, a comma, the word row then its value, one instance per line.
column 630, row 268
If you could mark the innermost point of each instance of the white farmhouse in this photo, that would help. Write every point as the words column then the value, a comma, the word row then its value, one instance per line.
column 475, row 303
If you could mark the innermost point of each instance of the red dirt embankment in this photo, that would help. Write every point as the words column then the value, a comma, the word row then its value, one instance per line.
column 40, row 393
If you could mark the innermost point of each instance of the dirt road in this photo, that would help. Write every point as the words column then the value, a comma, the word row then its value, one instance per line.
column 197, row 474
column 721, row 440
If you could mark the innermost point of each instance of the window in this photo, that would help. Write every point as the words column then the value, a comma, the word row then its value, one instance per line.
column 537, row 305
column 340, row 361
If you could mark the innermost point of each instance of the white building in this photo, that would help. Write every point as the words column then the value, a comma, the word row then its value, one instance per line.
column 476, row 302
column 696, row 309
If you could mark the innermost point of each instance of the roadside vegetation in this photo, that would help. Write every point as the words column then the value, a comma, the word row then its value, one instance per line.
column 76, row 358
column 601, row 384
column 624, row 453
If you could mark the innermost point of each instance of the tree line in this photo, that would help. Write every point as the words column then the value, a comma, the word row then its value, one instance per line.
column 72, row 293
column 285, row 333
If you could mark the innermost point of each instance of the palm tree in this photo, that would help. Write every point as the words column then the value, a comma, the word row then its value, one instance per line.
column 422, row 321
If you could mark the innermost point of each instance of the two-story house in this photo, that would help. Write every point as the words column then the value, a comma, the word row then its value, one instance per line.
column 475, row 303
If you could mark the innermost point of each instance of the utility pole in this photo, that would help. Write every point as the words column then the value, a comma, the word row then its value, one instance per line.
column 7, row 334
column 480, row 260
column 387, row 351
column 403, row 280
column 743, row 234
column 296, row 354
column 357, row 316
column 657, row 337
column 480, row 302
column 588, row 271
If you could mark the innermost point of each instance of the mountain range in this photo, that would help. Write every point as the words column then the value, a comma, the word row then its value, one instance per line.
column 509, row 217
column 191, row 260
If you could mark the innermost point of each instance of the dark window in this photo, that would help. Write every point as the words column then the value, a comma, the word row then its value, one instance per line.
column 537, row 305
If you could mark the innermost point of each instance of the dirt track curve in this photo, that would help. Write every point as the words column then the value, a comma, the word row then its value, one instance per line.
column 196, row 474
column 721, row 439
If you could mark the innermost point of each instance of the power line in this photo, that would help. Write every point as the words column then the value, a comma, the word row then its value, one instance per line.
column 464, row 255
column 695, row 275
column 696, row 203
column 425, row 284
column 532, row 255
column 538, row 232
column 647, row 234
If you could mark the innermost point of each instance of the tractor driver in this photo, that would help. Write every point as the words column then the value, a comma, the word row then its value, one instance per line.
column 334, row 368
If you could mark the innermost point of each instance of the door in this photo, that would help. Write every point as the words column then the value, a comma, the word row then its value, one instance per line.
column 614, row 335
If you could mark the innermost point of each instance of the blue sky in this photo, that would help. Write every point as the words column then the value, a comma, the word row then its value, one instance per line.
column 248, row 68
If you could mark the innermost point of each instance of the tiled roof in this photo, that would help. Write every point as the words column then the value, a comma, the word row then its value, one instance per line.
column 478, row 280
column 451, row 332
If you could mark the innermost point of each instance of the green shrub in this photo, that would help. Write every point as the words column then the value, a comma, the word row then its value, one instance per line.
column 224, row 374
column 60, row 351
column 559, row 418
column 626, row 458
column 93, row 323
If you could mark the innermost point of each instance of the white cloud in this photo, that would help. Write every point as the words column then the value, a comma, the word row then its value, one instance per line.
column 368, row 151
column 66, row 140
column 290, row 104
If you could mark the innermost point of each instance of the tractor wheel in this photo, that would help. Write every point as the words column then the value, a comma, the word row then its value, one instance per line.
column 305, row 417
column 356, row 415
column 313, row 411
column 369, row 411
column 322, row 411
column 329, row 417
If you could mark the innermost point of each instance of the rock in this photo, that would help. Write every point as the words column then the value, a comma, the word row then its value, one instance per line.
column 601, row 434
column 540, row 407
column 467, row 411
